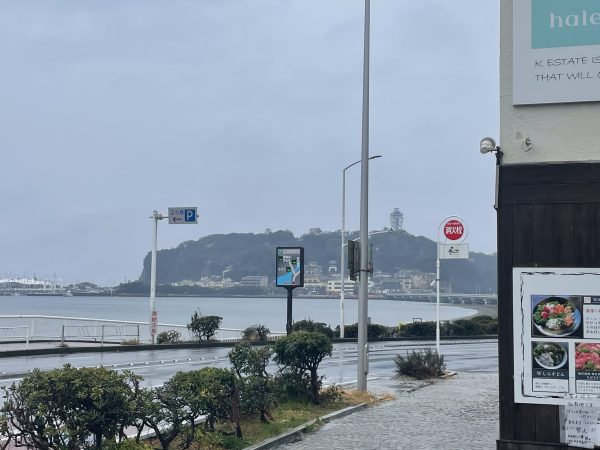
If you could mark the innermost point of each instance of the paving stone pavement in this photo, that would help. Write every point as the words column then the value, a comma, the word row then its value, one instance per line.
column 458, row 413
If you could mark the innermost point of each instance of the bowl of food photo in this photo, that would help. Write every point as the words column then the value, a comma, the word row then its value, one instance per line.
column 550, row 355
column 556, row 316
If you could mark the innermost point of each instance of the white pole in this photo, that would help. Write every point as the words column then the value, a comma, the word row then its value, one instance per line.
column 364, row 218
column 437, row 301
column 342, row 259
column 155, row 217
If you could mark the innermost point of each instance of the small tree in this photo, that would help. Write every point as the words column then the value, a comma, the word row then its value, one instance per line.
column 303, row 351
column 256, row 391
column 188, row 395
column 248, row 360
column 204, row 326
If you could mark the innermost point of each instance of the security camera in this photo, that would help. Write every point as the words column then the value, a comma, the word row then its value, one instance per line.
column 488, row 144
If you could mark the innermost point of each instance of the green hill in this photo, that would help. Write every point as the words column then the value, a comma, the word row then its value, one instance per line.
column 254, row 254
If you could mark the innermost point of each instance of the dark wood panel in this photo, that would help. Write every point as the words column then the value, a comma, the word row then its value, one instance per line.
column 582, row 173
column 547, row 425
column 522, row 236
column 564, row 237
column 526, row 422
column 505, row 323
column 584, row 235
column 543, row 235
column 551, row 194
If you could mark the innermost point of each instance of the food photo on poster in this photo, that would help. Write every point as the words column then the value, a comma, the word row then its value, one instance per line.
column 556, row 316
column 550, row 367
column 587, row 368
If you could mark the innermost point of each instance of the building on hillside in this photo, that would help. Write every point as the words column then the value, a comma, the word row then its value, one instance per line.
column 333, row 267
column 334, row 287
column 261, row 281
column 396, row 220
column 313, row 272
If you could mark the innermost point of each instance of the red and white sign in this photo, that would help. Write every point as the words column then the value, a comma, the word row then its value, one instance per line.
column 454, row 230
column 154, row 323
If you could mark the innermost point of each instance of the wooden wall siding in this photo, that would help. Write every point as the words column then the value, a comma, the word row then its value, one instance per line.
column 548, row 216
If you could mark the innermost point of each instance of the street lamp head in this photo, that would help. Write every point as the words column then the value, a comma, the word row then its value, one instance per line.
column 376, row 156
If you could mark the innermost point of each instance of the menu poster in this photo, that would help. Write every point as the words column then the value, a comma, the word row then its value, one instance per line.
column 550, row 367
column 581, row 425
column 556, row 324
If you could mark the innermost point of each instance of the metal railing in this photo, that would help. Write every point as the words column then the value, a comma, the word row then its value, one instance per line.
column 63, row 329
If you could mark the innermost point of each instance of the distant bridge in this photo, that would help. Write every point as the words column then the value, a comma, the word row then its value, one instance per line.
column 456, row 299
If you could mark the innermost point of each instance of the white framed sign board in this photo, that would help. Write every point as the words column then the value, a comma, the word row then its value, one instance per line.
column 556, row 323
column 556, row 51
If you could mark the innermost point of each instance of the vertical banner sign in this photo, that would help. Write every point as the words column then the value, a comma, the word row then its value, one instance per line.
column 290, row 267
column 556, row 51
column 154, row 323
column 289, row 273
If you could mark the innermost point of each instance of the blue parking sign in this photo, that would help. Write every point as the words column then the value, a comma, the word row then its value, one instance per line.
column 183, row 215
column 190, row 215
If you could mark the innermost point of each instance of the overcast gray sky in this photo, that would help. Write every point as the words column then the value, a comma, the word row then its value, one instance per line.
column 247, row 109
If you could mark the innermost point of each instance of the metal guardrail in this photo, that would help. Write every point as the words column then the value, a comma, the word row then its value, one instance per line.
column 63, row 329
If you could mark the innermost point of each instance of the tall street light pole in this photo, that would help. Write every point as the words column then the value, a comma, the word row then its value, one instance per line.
column 153, row 314
column 364, row 217
column 342, row 258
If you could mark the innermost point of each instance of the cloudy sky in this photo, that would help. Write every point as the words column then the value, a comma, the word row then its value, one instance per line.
column 247, row 109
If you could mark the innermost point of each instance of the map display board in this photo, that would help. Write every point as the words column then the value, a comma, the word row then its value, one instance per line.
column 290, row 267
column 556, row 326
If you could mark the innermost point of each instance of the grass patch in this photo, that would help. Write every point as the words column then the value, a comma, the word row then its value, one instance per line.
column 290, row 415
column 286, row 416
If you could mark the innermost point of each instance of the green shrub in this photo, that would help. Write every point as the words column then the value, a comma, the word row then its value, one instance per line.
column 313, row 327
column 256, row 396
column 421, row 364
column 374, row 331
column 331, row 394
column 256, row 333
column 418, row 329
column 71, row 408
column 168, row 337
column 292, row 385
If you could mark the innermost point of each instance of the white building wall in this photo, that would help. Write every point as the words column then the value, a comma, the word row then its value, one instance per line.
column 566, row 132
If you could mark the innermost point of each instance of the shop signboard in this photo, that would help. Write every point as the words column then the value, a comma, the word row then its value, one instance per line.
column 556, row 51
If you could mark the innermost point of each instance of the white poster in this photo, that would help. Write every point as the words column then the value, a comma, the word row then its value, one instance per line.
column 556, row 51
column 556, row 325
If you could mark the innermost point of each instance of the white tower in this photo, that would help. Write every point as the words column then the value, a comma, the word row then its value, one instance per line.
column 396, row 219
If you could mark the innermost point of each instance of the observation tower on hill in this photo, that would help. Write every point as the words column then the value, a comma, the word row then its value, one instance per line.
column 396, row 219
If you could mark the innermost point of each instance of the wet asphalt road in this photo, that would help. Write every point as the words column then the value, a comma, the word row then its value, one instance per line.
column 157, row 366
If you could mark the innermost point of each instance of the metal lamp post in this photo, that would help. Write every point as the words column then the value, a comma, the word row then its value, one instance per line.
column 156, row 216
column 342, row 258
column 364, row 216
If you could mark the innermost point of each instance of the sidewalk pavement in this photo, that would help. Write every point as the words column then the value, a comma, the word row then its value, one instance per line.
column 458, row 413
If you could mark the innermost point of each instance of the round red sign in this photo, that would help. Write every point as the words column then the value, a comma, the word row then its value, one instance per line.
column 454, row 230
